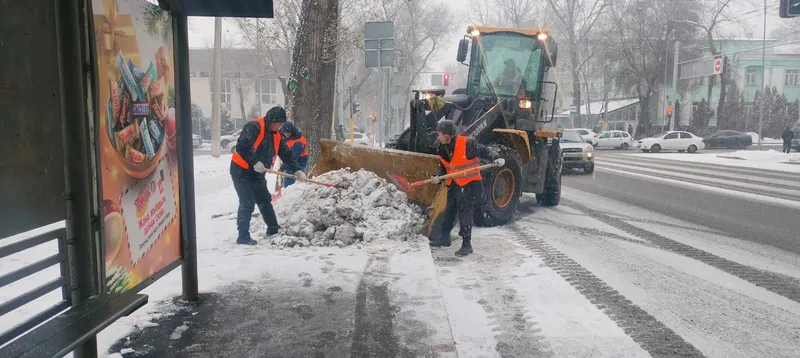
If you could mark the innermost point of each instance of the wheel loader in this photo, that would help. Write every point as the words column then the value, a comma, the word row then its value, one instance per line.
column 507, row 100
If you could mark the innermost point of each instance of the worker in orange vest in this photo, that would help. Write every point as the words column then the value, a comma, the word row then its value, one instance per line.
column 259, row 143
column 298, row 144
column 464, row 192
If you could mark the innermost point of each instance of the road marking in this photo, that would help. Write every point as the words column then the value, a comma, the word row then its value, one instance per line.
column 791, row 204
column 778, row 192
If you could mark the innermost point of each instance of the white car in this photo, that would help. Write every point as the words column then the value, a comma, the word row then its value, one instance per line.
column 615, row 139
column 197, row 141
column 675, row 140
column 358, row 138
column 576, row 153
column 589, row 136
column 225, row 140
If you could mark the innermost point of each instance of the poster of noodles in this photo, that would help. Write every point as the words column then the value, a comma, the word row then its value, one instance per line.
column 137, row 140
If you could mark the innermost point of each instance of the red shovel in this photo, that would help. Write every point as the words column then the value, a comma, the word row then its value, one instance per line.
column 404, row 185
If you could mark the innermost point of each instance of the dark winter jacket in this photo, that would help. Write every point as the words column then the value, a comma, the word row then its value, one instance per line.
column 290, row 131
column 264, row 153
column 472, row 193
column 787, row 135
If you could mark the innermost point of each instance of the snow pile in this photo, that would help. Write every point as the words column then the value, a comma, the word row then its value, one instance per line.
column 766, row 140
column 762, row 156
column 362, row 207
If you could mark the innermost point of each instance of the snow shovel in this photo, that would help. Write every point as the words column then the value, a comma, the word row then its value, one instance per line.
column 282, row 174
column 405, row 186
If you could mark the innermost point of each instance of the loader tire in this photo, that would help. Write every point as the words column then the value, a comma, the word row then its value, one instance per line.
column 502, row 190
column 551, row 195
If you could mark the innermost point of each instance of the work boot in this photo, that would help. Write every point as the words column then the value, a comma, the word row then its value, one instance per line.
column 247, row 241
column 466, row 248
column 272, row 231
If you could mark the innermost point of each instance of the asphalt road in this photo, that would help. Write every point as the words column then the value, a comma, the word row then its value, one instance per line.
column 755, row 205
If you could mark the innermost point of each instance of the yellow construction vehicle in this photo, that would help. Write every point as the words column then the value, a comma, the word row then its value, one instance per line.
column 507, row 100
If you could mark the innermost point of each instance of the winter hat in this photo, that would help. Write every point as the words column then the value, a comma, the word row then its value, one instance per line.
column 276, row 115
column 446, row 126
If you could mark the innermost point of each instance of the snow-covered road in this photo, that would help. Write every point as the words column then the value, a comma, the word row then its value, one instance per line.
column 593, row 277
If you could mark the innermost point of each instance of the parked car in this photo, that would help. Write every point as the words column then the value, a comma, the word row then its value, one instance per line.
column 728, row 139
column 615, row 139
column 577, row 153
column 674, row 140
column 197, row 140
column 358, row 138
column 588, row 135
column 796, row 144
column 230, row 138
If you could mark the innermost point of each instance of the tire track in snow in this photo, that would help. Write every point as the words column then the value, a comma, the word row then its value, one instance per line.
column 515, row 333
column 780, row 284
column 652, row 335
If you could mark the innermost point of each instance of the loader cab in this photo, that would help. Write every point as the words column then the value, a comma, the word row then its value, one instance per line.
column 510, row 64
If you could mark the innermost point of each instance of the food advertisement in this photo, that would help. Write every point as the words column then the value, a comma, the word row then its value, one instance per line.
column 137, row 140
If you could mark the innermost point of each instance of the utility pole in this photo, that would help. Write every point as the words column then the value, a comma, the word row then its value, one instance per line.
column 675, row 82
column 763, row 75
column 216, row 123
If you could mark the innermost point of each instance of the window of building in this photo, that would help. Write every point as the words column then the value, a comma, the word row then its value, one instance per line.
column 267, row 90
column 750, row 76
column 226, row 90
column 792, row 78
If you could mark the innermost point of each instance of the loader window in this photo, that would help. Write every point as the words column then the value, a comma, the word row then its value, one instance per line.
column 513, row 63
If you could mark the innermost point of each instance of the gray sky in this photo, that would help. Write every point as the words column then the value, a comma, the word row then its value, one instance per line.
column 202, row 29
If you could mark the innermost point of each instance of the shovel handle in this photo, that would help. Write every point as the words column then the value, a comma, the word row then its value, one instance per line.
column 279, row 173
column 442, row 177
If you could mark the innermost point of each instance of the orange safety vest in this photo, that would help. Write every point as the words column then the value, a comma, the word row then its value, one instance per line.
column 460, row 162
column 290, row 143
column 276, row 142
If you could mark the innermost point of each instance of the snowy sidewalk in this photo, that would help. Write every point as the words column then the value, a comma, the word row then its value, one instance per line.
column 380, row 301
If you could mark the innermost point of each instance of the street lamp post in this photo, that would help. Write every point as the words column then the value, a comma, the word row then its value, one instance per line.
column 763, row 75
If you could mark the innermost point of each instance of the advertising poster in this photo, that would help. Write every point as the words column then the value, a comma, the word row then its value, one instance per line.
column 137, row 140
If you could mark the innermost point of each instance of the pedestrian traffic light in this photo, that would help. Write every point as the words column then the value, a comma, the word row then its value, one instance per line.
column 669, row 111
column 446, row 79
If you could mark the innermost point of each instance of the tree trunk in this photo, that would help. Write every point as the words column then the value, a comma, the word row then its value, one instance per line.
column 315, row 55
column 576, row 87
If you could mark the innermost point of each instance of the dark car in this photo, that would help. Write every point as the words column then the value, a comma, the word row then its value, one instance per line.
column 728, row 139
column 796, row 144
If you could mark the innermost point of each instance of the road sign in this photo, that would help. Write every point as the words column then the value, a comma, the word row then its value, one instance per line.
column 702, row 67
column 573, row 109
column 718, row 66
column 379, row 44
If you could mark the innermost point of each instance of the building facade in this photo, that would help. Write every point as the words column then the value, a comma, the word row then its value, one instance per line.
column 744, row 60
column 249, row 86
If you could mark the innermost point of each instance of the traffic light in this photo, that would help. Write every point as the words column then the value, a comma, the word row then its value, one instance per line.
column 669, row 111
column 446, row 79
column 789, row 8
column 354, row 108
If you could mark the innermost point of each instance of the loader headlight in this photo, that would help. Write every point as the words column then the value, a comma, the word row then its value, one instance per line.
column 542, row 37
column 475, row 33
column 525, row 104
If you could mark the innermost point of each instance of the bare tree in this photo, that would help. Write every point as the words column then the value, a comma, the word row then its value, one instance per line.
column 576, row 22
column 507, row 13
column 273, row 39
column 636, row 47
column 713, row 16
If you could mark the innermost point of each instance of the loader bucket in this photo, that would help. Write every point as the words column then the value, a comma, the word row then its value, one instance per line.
column 413, row 166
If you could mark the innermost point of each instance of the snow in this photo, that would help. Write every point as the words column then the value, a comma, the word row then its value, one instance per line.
column 359, row 207
column 766, row 140
column 503, row 301
column 720, row 314
column 755, row 159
